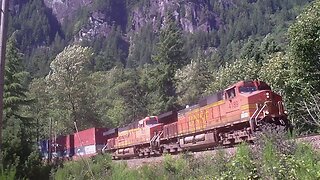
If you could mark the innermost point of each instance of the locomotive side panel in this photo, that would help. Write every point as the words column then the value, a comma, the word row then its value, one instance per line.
column 214, row 115
column 170, row 130
column 136, row 136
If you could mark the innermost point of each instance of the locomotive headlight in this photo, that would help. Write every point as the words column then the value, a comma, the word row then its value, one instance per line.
column 268, row 95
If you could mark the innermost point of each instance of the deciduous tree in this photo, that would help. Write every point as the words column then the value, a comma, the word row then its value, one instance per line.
column 70, row 88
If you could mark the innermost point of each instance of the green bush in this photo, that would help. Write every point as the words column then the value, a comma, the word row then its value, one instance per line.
column 305, row 163
column 122, row 172
column 97, row 167
column 8, row 174
column 176, row 168
column 270, row 159
column 242, row 166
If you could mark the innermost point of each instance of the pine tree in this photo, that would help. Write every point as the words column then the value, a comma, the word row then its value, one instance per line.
column 18, row 131
column 168, row 58
column 14, row 89
column 192, row 80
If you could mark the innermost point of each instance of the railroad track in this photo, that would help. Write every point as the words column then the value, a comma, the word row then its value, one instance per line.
column 314, row 140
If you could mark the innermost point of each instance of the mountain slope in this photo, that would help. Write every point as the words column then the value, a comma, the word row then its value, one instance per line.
column 124, row 32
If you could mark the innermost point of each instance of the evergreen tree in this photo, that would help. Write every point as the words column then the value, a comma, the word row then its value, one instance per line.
column 18, row 133
column 168, row 58
column 141, row 47
column 119, row 96
column 15, row 89
column 192, row 80
column 114, row 53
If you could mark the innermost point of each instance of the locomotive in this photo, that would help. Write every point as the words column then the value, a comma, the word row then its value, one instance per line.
column 222, row 119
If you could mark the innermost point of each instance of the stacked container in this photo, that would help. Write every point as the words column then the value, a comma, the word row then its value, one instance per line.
column 44, row 148
column 68, row 150
column 58, row 146
column 89, row 142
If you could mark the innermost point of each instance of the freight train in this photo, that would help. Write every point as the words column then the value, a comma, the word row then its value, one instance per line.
column 222, row 119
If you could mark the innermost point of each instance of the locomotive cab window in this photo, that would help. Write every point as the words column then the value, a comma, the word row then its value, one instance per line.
column 141, row 125
column 231, row 93
column 152, row 121
column 247, row 89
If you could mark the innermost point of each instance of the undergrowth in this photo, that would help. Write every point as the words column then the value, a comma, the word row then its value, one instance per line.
column 272, row 156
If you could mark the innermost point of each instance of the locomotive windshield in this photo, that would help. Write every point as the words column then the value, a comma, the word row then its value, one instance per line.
column 152, row 121
column 247, row 89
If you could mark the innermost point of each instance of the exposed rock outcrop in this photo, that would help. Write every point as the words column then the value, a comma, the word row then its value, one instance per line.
column 193, row 16
column 196, row 15
column 65, row 8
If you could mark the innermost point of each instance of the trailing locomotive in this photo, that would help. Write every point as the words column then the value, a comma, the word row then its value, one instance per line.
column 222, row 119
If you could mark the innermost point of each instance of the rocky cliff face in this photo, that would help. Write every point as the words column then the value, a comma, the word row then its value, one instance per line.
column 193, row 15
column 65, row 8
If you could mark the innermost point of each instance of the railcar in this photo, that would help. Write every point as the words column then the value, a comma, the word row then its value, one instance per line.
column 140, row 141
column 88, row 142
column 225, row 118
column 60, row 147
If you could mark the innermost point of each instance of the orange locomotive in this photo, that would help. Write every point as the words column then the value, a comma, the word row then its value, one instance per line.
column 137, row 140
column 225, row 118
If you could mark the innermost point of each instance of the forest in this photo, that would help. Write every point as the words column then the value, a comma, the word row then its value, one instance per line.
column 109, row 82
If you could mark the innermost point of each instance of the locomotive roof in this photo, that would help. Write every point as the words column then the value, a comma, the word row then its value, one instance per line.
column 240, row 83
column 188, row 108
column 261, row 85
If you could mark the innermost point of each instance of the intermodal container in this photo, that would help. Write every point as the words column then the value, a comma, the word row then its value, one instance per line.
column 69, row 148
column 93, row 136
column 44, row 148
column 88, row 151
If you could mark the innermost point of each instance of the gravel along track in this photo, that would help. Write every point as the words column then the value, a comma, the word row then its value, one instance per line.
column 138, row 162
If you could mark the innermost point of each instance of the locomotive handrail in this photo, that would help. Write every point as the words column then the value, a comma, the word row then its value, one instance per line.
column 155, row 138
column 158, row 138
column 265, row 104
column 252, row 124
column 254, row 117
column 280, row 107
column 104, row 148
column 152, row 140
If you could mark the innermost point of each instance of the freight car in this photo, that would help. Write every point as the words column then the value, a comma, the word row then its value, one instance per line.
column 88, row 142
column 61, row 147
column 222, row 119
column 84, row 143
